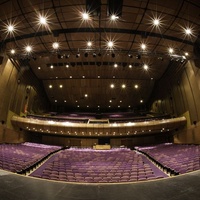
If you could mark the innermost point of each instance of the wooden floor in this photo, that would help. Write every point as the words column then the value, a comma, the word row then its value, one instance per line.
column 17, row 187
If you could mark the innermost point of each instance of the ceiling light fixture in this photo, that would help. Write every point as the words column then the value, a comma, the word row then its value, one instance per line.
column 123, row 86
column 89, row 43
column 28, row 48
column 171, row 50
column 112, row 85
column 85, row 16
column 143, row 46
column 114, row 17
column 110, row 44
column 136, row 86
column 188, row 31
column 43, row 20
column 12, row 51
column 146, row 67
column 55, row 45
column 156, row 22
column 10, row 28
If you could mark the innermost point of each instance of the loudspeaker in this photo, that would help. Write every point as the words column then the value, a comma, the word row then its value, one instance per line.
column 93, row 7
column 114, row 7
column 1, row 60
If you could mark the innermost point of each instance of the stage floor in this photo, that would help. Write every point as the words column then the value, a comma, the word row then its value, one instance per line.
column 18, row 187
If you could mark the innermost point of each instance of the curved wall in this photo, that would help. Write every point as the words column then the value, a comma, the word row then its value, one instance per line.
column 181, row 97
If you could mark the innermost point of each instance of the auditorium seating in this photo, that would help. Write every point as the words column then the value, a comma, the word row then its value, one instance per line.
column 98, row 166
column 176, row 158
column 19, row 157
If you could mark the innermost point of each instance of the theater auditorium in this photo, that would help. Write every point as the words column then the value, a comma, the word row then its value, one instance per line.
column 99, row 99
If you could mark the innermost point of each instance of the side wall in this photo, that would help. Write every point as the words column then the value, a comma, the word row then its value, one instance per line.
column 182, row 97
column 20, row 93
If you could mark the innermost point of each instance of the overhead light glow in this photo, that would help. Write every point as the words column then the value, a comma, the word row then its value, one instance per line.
column 141, row 101
column 136, row 86
column 43, row 20
column 171, row 50
column 110, row 44
column 51, row 66
column 55, row 45
column 50, row 86
column 143, row 46
column 130, row 66
column 61, row 86
column 12, row 51
column 115, row 65
column 114, row 17
column 28, row 48
column 89, row 44
column 186, row 54
column 146, row 67
column 112, row 85
column 10, row 28
column 156, row 22
column 123, row 86
column 85, row 16
column 86, row 95
column 188, row 31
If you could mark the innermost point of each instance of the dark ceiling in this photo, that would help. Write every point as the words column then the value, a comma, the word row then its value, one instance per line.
column 90, row 71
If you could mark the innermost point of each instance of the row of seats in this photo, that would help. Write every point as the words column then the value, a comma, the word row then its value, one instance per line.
column 179, row 159
column 88, row 165
column 96, row 166
column 19, row 157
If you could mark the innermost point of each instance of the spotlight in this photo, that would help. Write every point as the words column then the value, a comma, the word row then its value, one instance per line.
column 43, row 20
column 113, row 55
column 55, row 45
column 99, row 54
column 130, row 55
column 94, row 55
column 86, row 54
column 77, row 55
column 60, row 56
column 67, row 56
column 138, row 56
column 12, row 51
